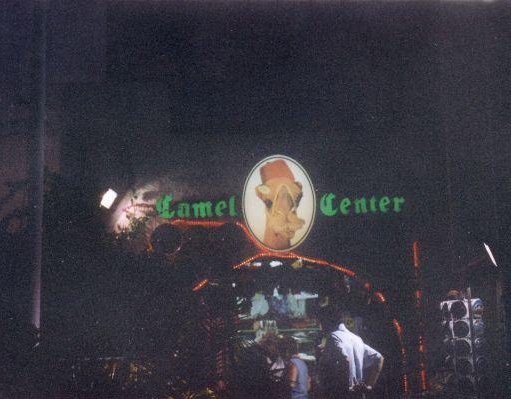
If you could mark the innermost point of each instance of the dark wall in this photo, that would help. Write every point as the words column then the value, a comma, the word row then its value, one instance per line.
column 372, row 99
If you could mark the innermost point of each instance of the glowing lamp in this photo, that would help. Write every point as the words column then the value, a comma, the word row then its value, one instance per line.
column 108, row 198
column 490, row 254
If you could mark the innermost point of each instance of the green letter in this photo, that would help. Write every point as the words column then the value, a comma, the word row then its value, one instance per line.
column 232, row 206
column 326, row 205
column 163, row 206
column 384, row 203
column 372, row 204
column 202, row 209
column 220, row 207
column 398, row 201
column 345, row 204
column 183, row 210
column 360, row 205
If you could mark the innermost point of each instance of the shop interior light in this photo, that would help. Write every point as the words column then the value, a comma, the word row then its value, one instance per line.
column 275, row 263
column 297, row 264
column 490, row 254
column 108, row 198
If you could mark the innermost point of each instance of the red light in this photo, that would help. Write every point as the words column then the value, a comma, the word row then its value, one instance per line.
column 418, row 303
column 265, row 252
column 195, row 222
column 380, row 297
column 340, row 268
column 200, row 285
column 416, row 259
column 292, row 255
column 418, row 298
column 398, row 328
column 424, row 384
column 406, row 388
column 246, row 261
column 422, row 373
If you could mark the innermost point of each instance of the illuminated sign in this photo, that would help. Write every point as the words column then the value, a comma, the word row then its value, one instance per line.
column 330, row 205
column 201, row 209
column 279, row 203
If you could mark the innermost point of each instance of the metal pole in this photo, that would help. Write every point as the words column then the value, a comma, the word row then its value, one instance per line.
column 419, row 307
column 37, row 164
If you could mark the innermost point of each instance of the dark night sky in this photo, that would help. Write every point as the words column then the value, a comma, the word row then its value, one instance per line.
column 371, row 99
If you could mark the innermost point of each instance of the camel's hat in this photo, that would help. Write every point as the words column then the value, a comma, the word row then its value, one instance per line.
column 276, row 169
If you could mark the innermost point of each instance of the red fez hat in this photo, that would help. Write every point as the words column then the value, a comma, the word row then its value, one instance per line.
column 275, row 169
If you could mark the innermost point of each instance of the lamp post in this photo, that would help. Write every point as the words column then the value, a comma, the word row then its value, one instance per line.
column 37, row 164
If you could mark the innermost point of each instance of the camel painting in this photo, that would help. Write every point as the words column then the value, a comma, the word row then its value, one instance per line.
column 281, row 195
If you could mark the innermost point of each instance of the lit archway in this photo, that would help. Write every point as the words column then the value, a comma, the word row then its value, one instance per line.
column 263, row 253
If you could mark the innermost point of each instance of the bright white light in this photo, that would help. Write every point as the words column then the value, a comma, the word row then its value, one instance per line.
column 275, row 263
column 490, row 254
column 257, row 264
column 108, row 198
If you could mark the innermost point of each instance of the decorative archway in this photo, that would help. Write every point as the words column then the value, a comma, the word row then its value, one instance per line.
column 263, row 253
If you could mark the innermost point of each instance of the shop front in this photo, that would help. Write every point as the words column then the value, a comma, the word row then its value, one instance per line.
column 251, row 285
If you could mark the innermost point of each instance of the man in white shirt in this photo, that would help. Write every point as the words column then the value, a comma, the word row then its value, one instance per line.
column 364, row 362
